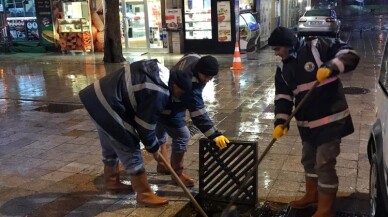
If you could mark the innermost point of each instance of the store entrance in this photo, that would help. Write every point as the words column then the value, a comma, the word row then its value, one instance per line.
column 136, row 24
column 142, row 26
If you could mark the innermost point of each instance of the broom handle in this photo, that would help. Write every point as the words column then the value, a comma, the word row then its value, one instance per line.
column 179, row 181
column 255, row 167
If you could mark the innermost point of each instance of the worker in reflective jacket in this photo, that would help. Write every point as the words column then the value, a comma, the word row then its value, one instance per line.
column 173, row 120
column 125, row 106
column 324, row 118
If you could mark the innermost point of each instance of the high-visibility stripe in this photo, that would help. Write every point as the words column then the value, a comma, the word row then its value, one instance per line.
column 339, row 64
column 128, row 81
column 210, row 132
column 198, row 113
column 315, row 52
column 325, row 120
column 107, row 107
column 236, row 59
column 150, row 86
column 311, row 175
column 282, row 116
column 343, row 51
column 145, row 124
column 283, row 96
column 327, row 186
column 307, row 86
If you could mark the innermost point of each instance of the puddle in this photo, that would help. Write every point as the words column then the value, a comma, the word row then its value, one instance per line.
column 58, row 108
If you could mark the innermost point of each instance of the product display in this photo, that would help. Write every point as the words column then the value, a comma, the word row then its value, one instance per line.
column 198, row 24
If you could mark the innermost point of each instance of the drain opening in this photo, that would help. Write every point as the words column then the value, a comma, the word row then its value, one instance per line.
column 58, row 108
column 355, row 90
column 193, row 129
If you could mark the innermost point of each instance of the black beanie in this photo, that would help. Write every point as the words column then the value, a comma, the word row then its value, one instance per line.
column 182, row 79
column 282, row 36
column 207, row 65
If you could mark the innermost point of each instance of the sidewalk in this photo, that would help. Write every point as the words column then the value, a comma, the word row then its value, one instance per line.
column 50, row 162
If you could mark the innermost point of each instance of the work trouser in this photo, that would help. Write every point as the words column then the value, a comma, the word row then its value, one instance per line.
column 180, row 136
column 129, row 155
column 319, row 161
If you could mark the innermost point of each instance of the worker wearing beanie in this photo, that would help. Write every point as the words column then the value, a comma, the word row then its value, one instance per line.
column 173, row 121
column 124, row 106
column 324, row 118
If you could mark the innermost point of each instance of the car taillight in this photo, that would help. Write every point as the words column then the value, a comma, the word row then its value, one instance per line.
column 302, row 20
column 330, row 20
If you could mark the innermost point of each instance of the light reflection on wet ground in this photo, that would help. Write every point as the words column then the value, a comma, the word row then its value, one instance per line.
column 240, row 103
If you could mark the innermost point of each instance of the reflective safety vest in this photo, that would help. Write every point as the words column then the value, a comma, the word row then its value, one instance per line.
column 324, row 116
column 126, row 103
column 174, row 115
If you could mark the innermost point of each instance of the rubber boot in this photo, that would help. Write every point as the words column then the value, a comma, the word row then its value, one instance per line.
column 177, row 165
column 145, row 196
column 325, row 205
column 160, row 168
column 112, row 179
column 311, row 196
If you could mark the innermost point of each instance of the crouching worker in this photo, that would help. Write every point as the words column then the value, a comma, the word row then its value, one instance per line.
column 172, row 121
column 124, row 106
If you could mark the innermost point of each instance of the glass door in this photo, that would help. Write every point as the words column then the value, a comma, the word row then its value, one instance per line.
column 136, row 20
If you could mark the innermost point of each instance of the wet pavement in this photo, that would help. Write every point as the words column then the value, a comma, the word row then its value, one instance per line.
column 50, row 162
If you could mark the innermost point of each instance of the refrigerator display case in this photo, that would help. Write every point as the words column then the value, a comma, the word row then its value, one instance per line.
column 198, row 23
column 209, row 26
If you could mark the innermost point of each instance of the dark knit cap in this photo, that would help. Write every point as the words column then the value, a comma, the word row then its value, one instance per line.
column 182, row 79
column 207, row 65
column 282, row 36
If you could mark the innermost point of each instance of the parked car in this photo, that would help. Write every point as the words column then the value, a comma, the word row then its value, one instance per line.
column 378, row 148
column 319, row 22
column 249, row 31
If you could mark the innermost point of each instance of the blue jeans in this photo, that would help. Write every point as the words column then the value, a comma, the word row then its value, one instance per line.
column 180, row 136
column 129, row 154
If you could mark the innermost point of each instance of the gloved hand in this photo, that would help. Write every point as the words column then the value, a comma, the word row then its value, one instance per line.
column 221, row 141
column 323, row 73
column 279, row 131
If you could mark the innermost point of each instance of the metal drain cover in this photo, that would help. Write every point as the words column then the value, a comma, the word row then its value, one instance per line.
column 355, row 90
column 58, row 108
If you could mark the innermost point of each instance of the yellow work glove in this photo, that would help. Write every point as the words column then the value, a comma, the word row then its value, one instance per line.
column 279, row 131
column 323, row 73
column 221, row 141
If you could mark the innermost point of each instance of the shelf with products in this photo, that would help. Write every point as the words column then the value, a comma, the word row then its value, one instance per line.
column 198, row 30
column 198, row 21
column 198, row 34
column 73, row 25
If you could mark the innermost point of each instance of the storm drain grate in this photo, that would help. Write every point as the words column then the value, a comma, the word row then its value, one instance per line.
column 193, row 129
column 222, row 172
column 355, row 90
column 58, row 108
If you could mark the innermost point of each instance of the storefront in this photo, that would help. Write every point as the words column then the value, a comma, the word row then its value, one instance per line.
column 72, row 29
column 209, row 26
column 142, row 26
column 22, row 21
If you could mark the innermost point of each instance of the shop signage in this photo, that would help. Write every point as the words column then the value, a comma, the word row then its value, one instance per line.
column 17, row 29
column 224, row 24
column 174, row 19
column 32, row 30
column 45, row 21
